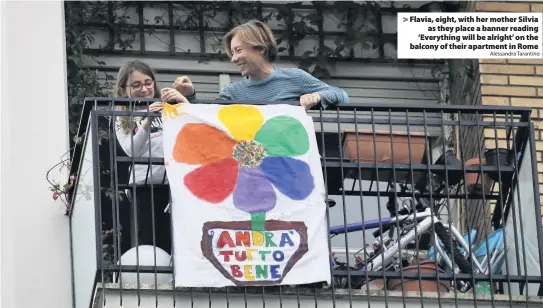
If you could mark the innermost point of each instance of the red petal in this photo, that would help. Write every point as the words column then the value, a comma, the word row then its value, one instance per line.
column 213, row 182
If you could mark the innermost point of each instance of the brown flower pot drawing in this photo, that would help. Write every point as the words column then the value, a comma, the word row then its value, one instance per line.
column 249, row 257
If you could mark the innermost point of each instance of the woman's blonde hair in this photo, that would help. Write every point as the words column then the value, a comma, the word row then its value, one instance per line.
column 256, row 34
column 121, row 84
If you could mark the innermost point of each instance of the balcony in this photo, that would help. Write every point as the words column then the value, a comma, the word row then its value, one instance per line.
column 430, row 205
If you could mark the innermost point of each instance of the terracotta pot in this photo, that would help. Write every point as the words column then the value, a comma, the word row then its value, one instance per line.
column 477, row 181
column 410, row 284
column 382, row 151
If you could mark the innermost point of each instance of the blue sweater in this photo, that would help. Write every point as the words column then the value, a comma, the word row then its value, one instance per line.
column 284, row 84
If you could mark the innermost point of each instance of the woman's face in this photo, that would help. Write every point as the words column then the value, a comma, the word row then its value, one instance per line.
column 249, row 60
column 140, row 85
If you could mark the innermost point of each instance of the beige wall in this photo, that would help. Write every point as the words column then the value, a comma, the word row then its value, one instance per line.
column 514, row 82
column 35, row 237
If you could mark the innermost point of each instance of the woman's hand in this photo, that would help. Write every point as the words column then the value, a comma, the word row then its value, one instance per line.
column 169, row 94
column 184, row 86
column 310, row 100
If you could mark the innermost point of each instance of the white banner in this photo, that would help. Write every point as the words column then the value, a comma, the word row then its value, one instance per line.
column 247, row 196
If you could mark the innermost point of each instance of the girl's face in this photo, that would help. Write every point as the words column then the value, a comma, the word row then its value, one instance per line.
column 140, row 85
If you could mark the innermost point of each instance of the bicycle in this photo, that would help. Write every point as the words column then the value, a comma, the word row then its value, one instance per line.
column 416, row 217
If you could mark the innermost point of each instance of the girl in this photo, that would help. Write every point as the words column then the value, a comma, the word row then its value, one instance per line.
column 141, row 137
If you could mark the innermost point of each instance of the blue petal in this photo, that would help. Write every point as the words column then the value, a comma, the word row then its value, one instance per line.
column 290, row 176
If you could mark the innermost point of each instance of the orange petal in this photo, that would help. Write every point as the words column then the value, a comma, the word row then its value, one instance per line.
column 200, row 144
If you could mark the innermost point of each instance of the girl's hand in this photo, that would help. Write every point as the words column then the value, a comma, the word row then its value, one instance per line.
column 169, row 94
column 154, row 107
column 157, row 106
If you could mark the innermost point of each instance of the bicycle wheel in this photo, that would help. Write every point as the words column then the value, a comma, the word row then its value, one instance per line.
column 459, row 260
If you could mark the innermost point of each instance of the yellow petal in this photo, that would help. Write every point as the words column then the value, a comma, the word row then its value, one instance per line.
column 242, row 121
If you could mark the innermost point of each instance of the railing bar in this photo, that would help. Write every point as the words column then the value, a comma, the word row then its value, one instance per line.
column 172, row 251
column 444, row 276
column 343, row 273
column 413, row 200
column 516, row 188
column 115, row 178
column 97, row 198
column 281, row 296
column 245, row 295
column 378, row 202
column 349, row 282
column 209, row 296
column 433, row 122
column 315, row 296
column 430, row 185
column 481, row 156
column 447, row 205
column 466, row 199
column 227, row 297
column 263, row 297
column 153, row 218
column 430, row 122
column 501, row 205
column 192, row 297
column 461, row 138
column 537, row 205
column 400, row 194
column 298, row 296
column 337, row 162
column 364, row 244
column 395, row 196
column 466, row 109
column 323, row 146
column 134, row 202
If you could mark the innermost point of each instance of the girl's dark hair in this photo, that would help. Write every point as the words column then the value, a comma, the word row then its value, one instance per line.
column 127, row 69
column 120, row 87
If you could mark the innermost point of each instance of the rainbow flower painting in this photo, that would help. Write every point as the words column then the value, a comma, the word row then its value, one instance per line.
column 249, row 162
column 229, row 162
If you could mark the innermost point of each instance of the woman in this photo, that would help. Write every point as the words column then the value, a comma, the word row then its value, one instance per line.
column 142, row 137
column 252, row 47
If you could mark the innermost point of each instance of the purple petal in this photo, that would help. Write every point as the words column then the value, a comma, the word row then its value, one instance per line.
column 254, row 193
column 290, row 176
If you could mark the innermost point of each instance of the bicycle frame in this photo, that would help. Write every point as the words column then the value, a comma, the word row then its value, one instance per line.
column 424, row 221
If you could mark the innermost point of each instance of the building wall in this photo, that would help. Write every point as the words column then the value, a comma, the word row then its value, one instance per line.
column 514, row 82
column 34, row 127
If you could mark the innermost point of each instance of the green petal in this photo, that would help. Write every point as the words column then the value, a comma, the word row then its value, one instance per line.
column 283, row 136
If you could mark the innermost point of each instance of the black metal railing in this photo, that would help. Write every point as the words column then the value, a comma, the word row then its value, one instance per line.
column 419, row 198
